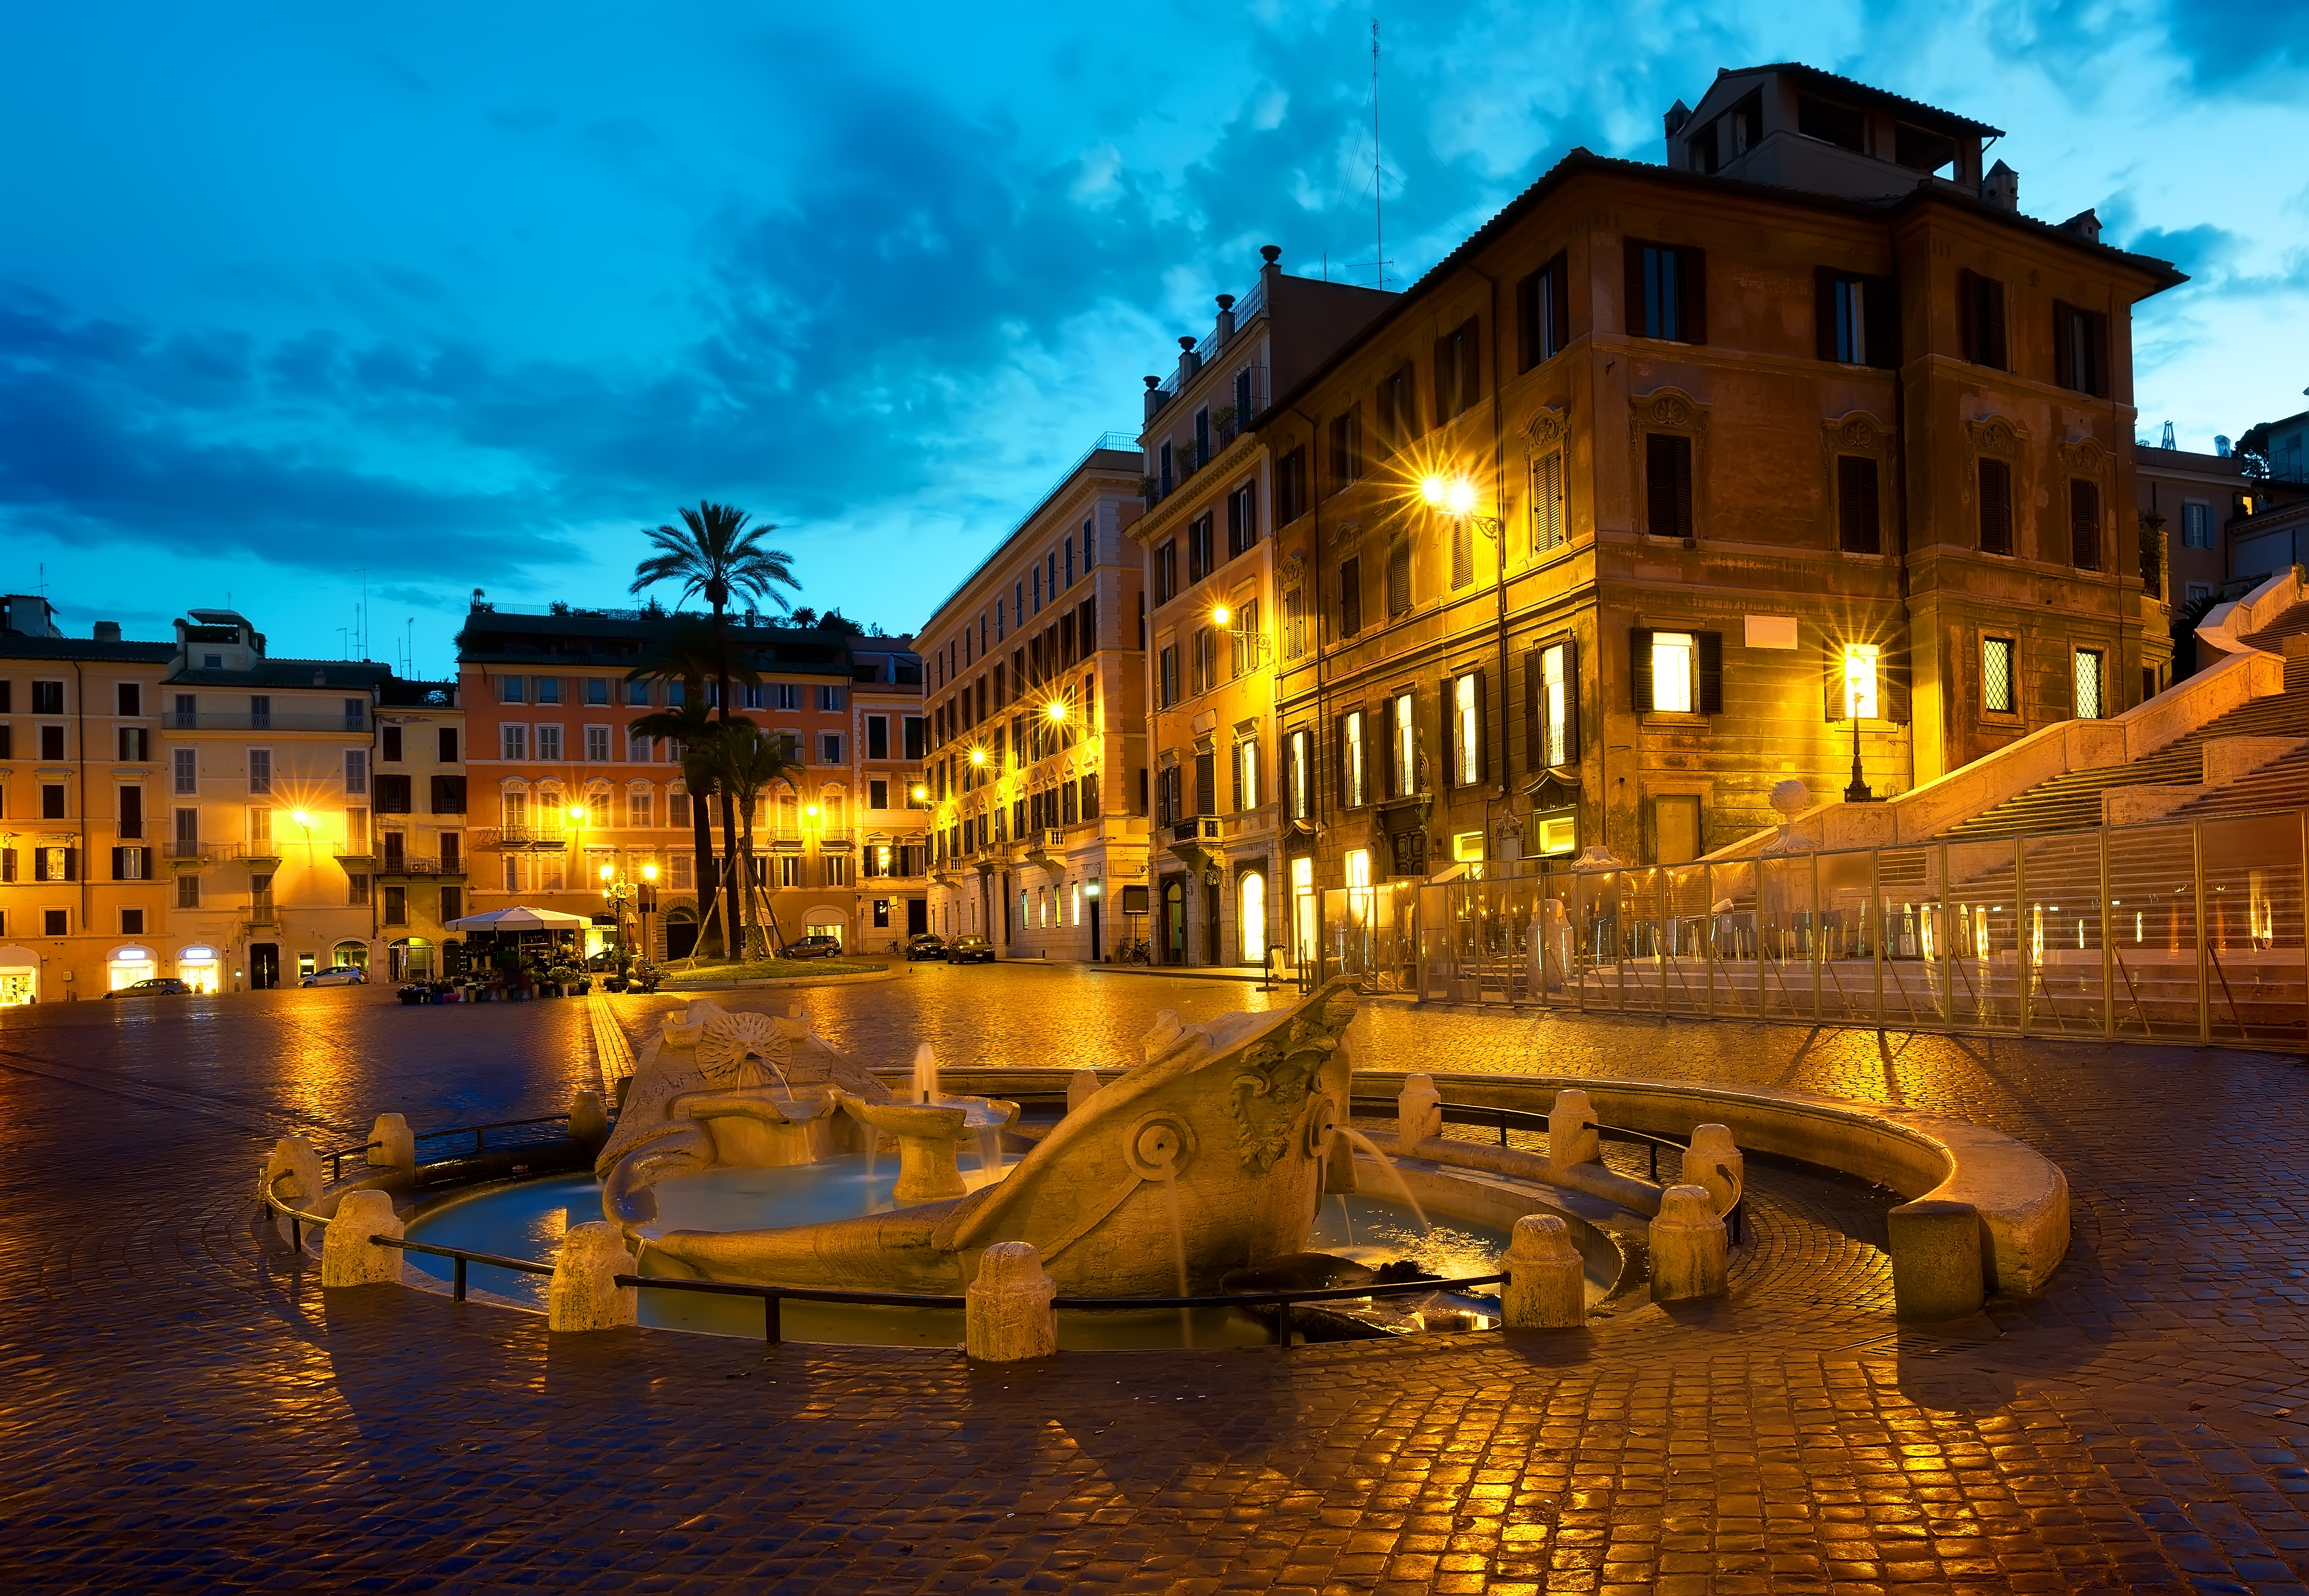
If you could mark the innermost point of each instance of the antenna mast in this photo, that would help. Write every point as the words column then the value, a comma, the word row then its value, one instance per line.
column 1378, row 226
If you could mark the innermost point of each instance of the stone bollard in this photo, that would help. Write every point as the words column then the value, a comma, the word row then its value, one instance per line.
column 1688, row 1247
column 294, row 1157
column 585, row 1293
column 1008, row 1319
column 1571, row 1137
column 348, row 1256
column 1080, row 1087
column 1714, row 1161
column 1937, row 1270
column 1418, row 1113
column 395, row 1144
column 1547, row 1282
column 589, row 1122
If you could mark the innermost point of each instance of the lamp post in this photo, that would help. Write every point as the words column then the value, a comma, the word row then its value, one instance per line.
column 1457, row 499
column 648, row 901
column 619, row 892
column 1859, row 791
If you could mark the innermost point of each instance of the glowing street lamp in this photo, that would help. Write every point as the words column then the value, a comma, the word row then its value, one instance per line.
column 1055, row 709
column 978, row 756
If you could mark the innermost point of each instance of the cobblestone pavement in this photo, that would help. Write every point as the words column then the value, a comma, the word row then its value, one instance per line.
column 180, row 1408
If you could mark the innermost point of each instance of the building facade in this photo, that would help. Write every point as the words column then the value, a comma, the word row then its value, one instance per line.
column 1219, row 892
column 1035, row 684
column 1670, row 484
column 559, row 791
column 417, row 851
column 83, row 889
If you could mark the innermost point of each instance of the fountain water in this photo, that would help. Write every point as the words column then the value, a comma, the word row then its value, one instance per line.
column 1388, row 1164
column 925, row 1074
column 1170, row 1166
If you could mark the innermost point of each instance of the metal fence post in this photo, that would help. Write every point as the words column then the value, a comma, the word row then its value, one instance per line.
column 1707, row 943
column 2022, row 918
column 2197, row 887
column 1951, row 945
column 2107, row 947
column 1813, row 937
column 1876, row 924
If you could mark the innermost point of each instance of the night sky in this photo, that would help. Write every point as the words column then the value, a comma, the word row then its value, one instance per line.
column 465, row 295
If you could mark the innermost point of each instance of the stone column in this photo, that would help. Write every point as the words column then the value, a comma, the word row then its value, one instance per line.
column 348, row 1256
column 1937, row 1269
column 294, row 1157
column 1418, row 1113
column 395, row 1144
column 589, row 1122
column 585, row 1293
column 1547, row 1283
column 1080, row 1087
column 1571, row 1137
column 1714, row 1161
column 1689, row 1246
column 1008, row 1319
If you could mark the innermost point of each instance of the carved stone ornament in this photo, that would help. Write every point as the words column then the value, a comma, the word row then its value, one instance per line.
column 2084, row 455
column 1995, row 434
column 1856, row 433
column 734, row 1045
column 1667, row 407
column 1547, row 426
column 1271, row 1088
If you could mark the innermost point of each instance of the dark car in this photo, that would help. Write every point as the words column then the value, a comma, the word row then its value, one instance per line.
column 926, row 947
column 159, row 986
column 811, row 947
column 970, row 949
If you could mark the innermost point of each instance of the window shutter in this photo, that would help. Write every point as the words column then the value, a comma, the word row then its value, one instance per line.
column 1528, row 341
column 2084, row 525
column 2064, row 367
column 71, row 864
column 1711, row 673
column 1470, row 340
column 1991, row 324
column 40, row 863
column 1823, row 306
column 1444, row 382
column 1339, row 758
column 1482, row 728
column 1996, row 507
column 1639, row 673
column 1894, row 669
column 1883, row 317
column 1831, row 684
column 1691, row 278
column 120, row 864
column 1968, row 314
column 1351, row 597
column 1559, row 301
column 7, row 864
column 1571, row 698
column 1632, row 252
column 1535, row 712
column 2097, row 351
column 1859, row 530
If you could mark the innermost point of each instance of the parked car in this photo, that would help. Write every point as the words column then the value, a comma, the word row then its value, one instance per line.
column 970, row 949
column 811, row 947
column 337, row 975
column 926, row 947
column 158, row 985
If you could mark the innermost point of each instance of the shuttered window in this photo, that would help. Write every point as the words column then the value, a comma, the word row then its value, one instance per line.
column 1351, row 597
column 1552, row 706
column 2079, row 349
column 1677, row 672
column 1470, row 739
column 2084, row 525
column 1857, row 318
column 1667, row 485
column 1398, row 575
column 1996, row 507
column 1543, row 314
column 1980, row 304
column 1857, row 524
column 1547, row 526
column 1666, row 290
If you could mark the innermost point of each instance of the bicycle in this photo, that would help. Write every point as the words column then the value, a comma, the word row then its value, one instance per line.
column 1135, row 953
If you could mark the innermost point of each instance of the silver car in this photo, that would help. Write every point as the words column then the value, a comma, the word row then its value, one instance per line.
column 337, row 975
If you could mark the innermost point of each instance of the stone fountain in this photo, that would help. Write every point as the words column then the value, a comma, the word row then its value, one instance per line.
column 1209, row 1157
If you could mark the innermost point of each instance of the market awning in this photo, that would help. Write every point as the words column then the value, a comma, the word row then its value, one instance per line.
column 519, row 919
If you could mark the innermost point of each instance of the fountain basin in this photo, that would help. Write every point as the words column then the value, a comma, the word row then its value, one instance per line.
column 765, row 1127
column 927, row 1132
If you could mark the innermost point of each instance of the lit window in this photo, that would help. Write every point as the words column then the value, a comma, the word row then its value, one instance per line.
column 1553, row 704
column 1996, row 674
column 1467, row 727
column 1860, row 680
column 1351, row 760
column 1671, row 655
column 1359, row 866
column 2088, row 694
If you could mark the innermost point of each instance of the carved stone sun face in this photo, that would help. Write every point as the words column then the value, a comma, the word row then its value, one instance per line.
column 731, row 1042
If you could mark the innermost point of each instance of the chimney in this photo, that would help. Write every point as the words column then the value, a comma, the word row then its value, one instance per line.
column 1226, row 319
column 1677, row 116
column 107, row 632
column 2001, row 187
column 2085, row 224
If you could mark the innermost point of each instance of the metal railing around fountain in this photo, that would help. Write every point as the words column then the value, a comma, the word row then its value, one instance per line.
column 337, row 1155
column 774, row 1297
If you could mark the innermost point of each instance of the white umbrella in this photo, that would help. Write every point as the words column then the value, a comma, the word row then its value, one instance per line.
column 520, row 919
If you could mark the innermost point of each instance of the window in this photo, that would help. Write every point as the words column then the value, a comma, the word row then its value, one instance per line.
column 878, row 737
column 1203, row 436
column 1198, row 549
column 1547, row 526
column 2079, row 349
column 513, row 742
column 787, row 694
column 1857, row 318
column 1857, row 528
column 389, row 739
column 1206, row 660
column 1552, row 686
column 1463, row 552
column 1543, row 314
column 1980, row 308
column 1243, row 639
column 1996, row 678
column 1346, row 448
column 186, row 764
column 396, row 906
column 47, row 698
column 548, row 689
column 1677, row 672
column 597, row 689
column 638, row 808
column 1245, row 768
column 1354, row 788
column 1398, row 409
column 188, row 830
column 829, row 747
column 2089, row 706
column 452, row 904
column 1166, row 571
column 260, row 770
column 1996, row 507
column 393, row 795
column 1667, row 485
column 52, row 742
column 510, row 689
column 597, row 744
column 1242, row 404
column 1242, row 519
column 1294, row 622
column 2196, row 526
column 135, row 745
column 1402, row 747
column 1301, row 779
column 1832, row 124
column 188, row 892
column 1398, row 573
column 132, row 864
column 2084, row 525
column 1666, row 292
column 1467, row 739
column 1168, row 682
column 55, row 922
column 829, row 701
column 637, row 693
column 52, row 801
column 1458, row 371
column 1291, row 487
column 548, row 742
column 916, row 740
column 1089, row 550
column 447, row 743
column 1351, row 597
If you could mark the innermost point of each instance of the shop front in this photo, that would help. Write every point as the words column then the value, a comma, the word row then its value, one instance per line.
column 20, row 977
column 198, row 966
column 127, row 964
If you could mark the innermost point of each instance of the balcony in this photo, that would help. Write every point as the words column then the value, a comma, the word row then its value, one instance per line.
column 402, row 866
column 518, row 837
column 242, row 721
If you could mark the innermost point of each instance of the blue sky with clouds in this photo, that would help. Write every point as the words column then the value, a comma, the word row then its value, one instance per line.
column 465, row 295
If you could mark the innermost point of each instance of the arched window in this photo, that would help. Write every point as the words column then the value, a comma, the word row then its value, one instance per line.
column 513, row 805
column 597, row 805
column 833, row 799
column 641, row 804
column 1250, row 921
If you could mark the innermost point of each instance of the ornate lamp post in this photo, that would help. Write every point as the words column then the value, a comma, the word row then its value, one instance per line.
column 1858, row 792
column 619, row 892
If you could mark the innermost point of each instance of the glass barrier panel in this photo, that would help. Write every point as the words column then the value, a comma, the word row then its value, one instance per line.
column 1684, row 963
column 1907, row 898
column 1786, row 917
column 1731, row 949
column 1604, row 982
column 1516, row 903
column 2152, row 905
column 1640, row 939
column 2061, row 936
column 2257, row 985
column 1557, row 955
column 1846, row 940
column 1983, row 985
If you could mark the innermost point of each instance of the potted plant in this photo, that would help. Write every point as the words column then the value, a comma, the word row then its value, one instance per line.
column 562, row 978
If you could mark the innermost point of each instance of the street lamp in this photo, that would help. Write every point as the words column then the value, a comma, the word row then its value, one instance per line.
column 1859, row 692
column 1255, row 643
column 648, row 901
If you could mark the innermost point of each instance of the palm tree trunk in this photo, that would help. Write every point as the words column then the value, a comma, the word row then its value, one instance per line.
column 701, row 842
column 729, row 808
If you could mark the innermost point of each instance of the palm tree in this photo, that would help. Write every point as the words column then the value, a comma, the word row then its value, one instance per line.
column 714, row 553
column 747, row 764
column 687, row 649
